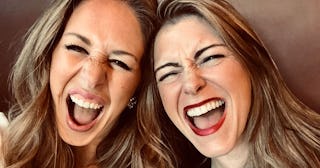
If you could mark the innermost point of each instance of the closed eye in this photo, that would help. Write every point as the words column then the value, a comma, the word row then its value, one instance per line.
column 211, row 58
column 167, row 75
column 76, row 48
column 120, row 64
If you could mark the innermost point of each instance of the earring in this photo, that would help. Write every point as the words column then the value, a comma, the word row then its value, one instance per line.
column 132, row 103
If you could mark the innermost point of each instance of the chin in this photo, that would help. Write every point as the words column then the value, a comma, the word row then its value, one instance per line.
column 214, row 149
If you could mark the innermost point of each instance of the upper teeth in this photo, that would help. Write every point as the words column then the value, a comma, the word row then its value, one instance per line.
column 85, row 104
column 197, row 111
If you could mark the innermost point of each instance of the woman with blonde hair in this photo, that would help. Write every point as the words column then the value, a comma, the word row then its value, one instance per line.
column 74, row 83
column 220, row 87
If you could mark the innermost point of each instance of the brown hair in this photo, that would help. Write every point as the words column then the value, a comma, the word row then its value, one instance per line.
column 281, row 130
column 32, row 139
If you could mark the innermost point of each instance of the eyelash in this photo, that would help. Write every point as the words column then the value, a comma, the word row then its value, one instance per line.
column 120, row 64
column 211, row 57
column 80, row 49
column 206, row 59
column 163, row 77
column 76, row 48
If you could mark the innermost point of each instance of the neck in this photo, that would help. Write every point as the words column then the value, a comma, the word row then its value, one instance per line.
column 85, row 156
column 236, row 158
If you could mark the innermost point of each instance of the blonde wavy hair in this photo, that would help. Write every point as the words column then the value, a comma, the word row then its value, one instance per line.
column 32, row 138
column 281, row 130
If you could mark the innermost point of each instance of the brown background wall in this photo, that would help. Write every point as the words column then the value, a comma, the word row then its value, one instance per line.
column 291, row 31
column 289, row 28
column 16, row 16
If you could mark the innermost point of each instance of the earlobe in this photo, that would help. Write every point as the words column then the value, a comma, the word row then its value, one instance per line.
column 132, row 103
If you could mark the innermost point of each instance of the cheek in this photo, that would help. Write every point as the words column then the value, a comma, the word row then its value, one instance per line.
column 168, row 100
column 236, row 81
column 60, row 72
column 240, row 89
column 54, row 75
column 245, row 105
column 54, row 80
column 122, row 85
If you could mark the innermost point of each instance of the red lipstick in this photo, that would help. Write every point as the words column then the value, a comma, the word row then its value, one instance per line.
column 212, row 129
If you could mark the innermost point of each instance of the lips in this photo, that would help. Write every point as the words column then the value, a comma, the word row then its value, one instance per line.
column 206, row 117
column 82, row 112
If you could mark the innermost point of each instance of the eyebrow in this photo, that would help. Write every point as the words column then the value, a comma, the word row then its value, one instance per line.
column 166, row 65
column 196, row 56
column 82, row 38
column 121, row 52
column 198, row 53
column 87, row 41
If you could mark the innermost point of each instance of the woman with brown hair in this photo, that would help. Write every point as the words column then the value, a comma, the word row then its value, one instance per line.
column 220, row 87
column 73, row 84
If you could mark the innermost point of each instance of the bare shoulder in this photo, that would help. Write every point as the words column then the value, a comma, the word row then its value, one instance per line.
column 3, row 125
column 3, row 121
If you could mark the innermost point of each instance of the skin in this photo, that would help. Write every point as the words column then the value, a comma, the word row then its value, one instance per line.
column 98, row 55
column 190, row 81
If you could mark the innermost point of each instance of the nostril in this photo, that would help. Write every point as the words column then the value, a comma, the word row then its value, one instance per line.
column 193, row 87
column 199, row 88
column 193, row 83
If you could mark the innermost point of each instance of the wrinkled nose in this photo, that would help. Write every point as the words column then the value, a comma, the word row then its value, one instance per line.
column 192, row 82
column 93, row 73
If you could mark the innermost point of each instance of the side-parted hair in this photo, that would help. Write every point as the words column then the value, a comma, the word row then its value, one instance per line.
column 281, row 130
column 32, row 139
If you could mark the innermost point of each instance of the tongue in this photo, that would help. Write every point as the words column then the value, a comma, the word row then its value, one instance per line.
column 207, row 120
column 84, row 116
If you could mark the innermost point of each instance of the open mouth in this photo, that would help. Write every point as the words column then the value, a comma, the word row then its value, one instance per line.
column 82, row 112
column 206, row 118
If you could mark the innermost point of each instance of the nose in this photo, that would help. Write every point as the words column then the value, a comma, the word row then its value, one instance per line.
column 93, row 73
column 193, row 82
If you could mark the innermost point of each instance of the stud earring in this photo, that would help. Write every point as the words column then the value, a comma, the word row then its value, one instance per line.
column 132, row 103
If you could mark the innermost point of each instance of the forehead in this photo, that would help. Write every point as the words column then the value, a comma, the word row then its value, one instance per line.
column 186, row 34
column 110, row 8
column 102, row 20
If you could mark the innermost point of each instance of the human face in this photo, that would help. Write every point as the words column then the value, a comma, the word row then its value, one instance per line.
column 204, row 89
column 95, row 69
